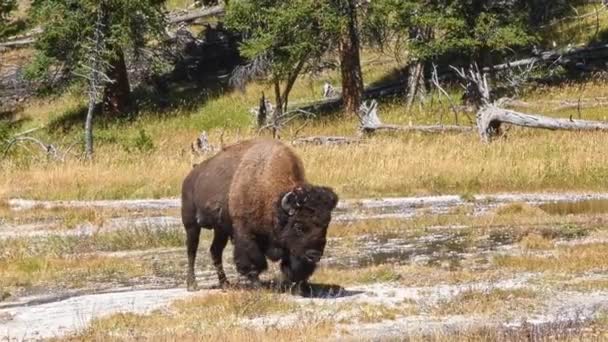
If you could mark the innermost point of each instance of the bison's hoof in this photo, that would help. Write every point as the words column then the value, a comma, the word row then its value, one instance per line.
column 192, row 286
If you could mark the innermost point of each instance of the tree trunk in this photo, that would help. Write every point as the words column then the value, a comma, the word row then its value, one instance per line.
column 96, row 74
column 278, row 110
column 490, row 118
column 415, row 83
column 88, row 128
column 350, row 62
column 117, row 94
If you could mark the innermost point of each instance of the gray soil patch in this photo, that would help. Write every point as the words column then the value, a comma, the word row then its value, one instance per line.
column 74, row 314
column 347, row 210
column 401, row 206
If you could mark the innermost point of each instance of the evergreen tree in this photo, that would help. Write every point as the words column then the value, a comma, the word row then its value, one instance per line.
column 424, row 30
column 6, row 6
column 282, row 38
column 69, row 27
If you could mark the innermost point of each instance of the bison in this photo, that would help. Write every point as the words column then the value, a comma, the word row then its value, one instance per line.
column 255, row 194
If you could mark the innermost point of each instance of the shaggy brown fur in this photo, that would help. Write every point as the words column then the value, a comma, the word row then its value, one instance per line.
column 255, row 193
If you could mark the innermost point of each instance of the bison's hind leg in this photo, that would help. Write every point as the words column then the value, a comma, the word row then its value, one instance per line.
column 193, row 232
column 220, row 239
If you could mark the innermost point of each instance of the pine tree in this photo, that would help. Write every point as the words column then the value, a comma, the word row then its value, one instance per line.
column 69, row 27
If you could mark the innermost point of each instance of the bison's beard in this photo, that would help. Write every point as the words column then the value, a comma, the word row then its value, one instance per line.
column 297, row 269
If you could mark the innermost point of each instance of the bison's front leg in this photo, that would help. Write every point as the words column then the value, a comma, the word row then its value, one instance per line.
column 248, row 257
column 296, row 269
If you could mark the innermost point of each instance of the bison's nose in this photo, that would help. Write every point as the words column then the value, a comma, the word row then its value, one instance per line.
column 313, row 255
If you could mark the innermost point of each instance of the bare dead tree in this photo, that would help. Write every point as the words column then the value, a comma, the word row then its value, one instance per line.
column 490, row 116
column 517, row 76
column 435, row 81
column 263, row 114
column 201, row 145
column 94, row 73
column 23, row 139
column 255, row 69
column 268, row 118
column 329, row 91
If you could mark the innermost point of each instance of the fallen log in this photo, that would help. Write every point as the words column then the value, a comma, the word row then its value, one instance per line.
column 18, row 43
column 370, row 123
column 570, row 56
column 393, row 88
column 491, row 117
column 197, row 14
column 325, row 140
column 559, row 105
column 30, row 37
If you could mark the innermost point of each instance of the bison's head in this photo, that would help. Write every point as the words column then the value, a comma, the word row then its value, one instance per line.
column 304, row 215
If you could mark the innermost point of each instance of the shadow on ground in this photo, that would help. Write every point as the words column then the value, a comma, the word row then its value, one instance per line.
column 310, row 290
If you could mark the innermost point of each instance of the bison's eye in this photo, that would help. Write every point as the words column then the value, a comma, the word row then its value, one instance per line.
column 299, row 229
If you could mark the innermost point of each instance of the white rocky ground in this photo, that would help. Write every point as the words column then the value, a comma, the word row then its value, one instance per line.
column 347, row 210
column 48, row 316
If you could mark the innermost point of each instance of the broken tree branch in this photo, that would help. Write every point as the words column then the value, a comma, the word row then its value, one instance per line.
column 48, row 149
column 435, row 81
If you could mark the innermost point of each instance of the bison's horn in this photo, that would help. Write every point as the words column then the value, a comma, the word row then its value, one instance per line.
column 286, row 205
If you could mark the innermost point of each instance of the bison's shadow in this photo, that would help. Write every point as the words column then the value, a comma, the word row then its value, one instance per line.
column 323, row 291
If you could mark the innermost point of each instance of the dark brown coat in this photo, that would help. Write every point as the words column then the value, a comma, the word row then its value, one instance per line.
column 256, row 193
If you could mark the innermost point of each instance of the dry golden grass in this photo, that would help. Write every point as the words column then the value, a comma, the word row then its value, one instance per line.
column 588, row 285
column 575, row 259
column 68, row 218
column 489, row 302
column 404, row 275
column 519, row 209
column 361, row 275
column 535, row 241
column 564, row 332
column 449, row 164
column 69, row 272
column 386, row 165
column 211, row 317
